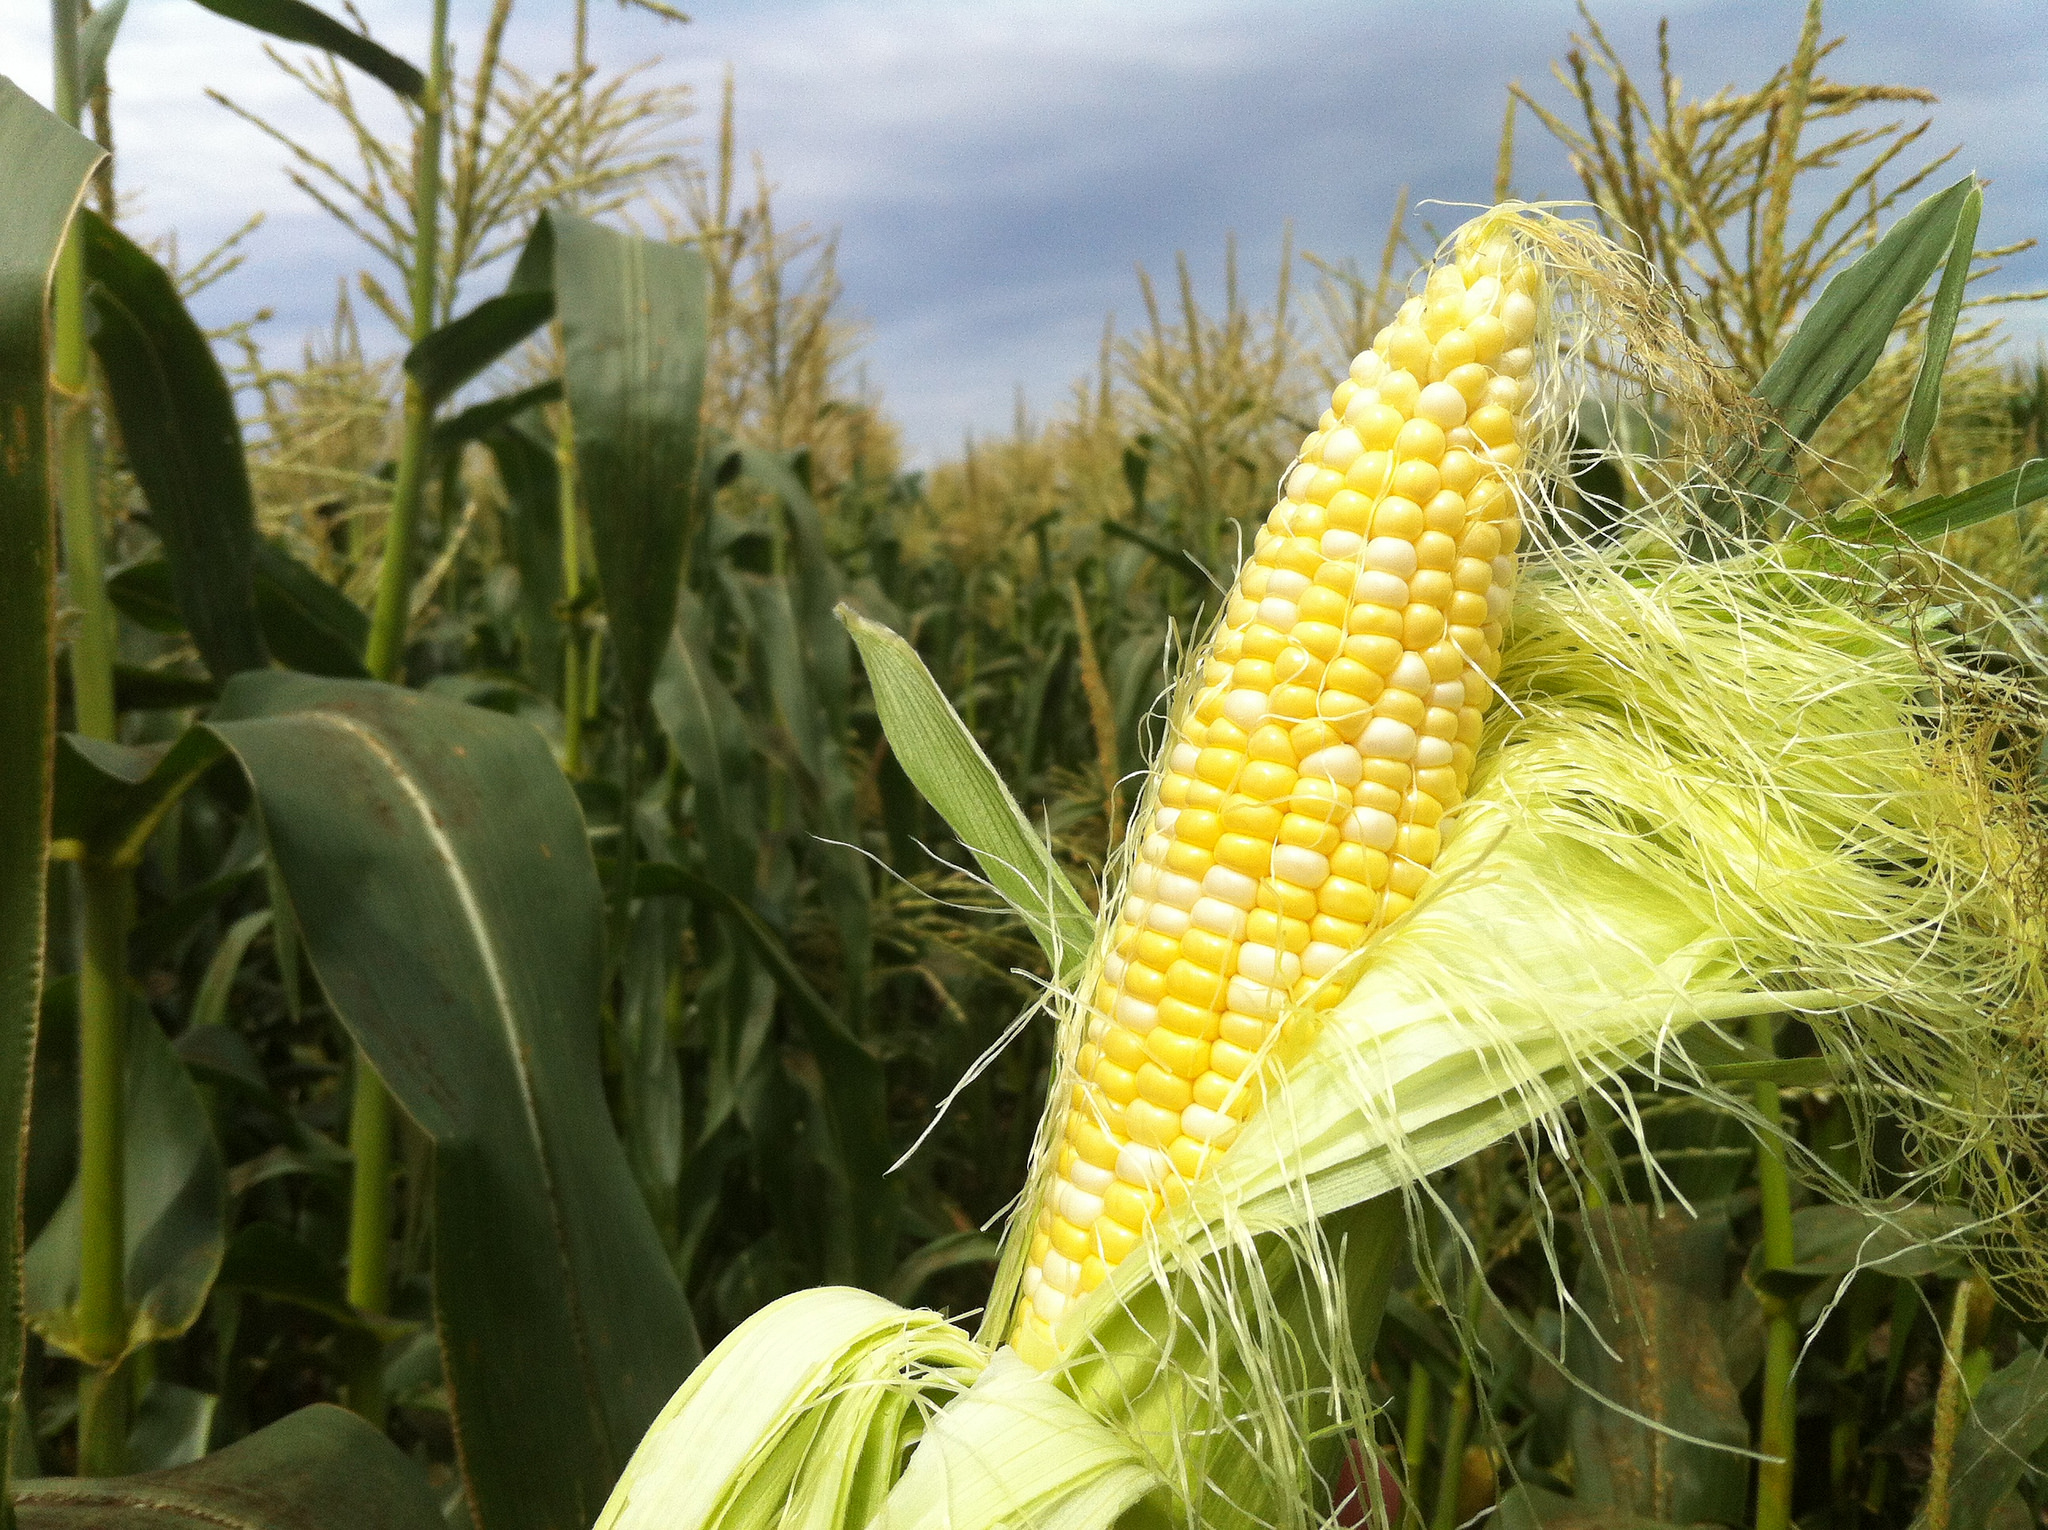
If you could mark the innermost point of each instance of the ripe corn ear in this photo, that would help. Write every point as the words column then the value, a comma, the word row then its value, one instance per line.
column 1315, row 767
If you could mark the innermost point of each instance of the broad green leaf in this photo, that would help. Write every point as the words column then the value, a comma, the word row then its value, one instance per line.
column 479, row 420
column 2007, row 1423
column 533, row 533
column 1646, row 1347
column 170, row 1427
column 1844, row 333
column 210, row 1002
column 634, row 318
column 443, row 883
column 265, row 1260
column 294, row 21
column 1179, row 559
column 1532, row 1508
column 948, row 766
column 709, row 733
column 321, row 1468
column 1927, row 519
column 465, row 345
column 1906, row 1241
column 182, row 442
column 95, row 43
column 307, row 623
column 49, row 165
column 111, row 797
column 175, row 1206
column 1909, row 447
column 650, row 1078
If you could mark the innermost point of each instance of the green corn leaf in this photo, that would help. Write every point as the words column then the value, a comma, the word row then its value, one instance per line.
column 1927, row 519
column 2007, row 1423
column 321, row 1468
column 464, row 346
column 441, row 873
column 183, row 443
column 294, row 21
column 710, row 736
column 95, row 43
column 110, row 797
column 1909, row 447
column 480, row 420
column 49, row 166
column 175, row 1207
column 1841, row 337
column 309, row 624
column 533, row 531
column 634, row 334
column 210, row 1001
column 948, row 766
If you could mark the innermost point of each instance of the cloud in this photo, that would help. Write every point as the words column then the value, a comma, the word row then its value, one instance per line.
column 997, row 168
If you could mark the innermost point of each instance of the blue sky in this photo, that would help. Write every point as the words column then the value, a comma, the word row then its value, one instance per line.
column 995, row 169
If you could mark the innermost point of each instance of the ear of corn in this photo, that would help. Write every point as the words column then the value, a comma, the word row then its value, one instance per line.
column 1316, row 768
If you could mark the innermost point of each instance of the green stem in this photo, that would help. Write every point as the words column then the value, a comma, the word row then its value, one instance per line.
column 1415, row 1439
column 1779, row 1413
column 1949, row 1403
column 102, row 1256
column 1450, row 1472
column 369, row 1238
column 573, row 698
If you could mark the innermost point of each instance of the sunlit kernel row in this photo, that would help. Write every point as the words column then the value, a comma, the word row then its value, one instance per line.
column 1313, row 772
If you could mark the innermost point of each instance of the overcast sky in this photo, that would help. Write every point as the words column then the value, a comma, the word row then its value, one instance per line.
column 995, row 169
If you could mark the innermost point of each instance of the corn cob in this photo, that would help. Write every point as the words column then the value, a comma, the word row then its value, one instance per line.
column 1312, row 774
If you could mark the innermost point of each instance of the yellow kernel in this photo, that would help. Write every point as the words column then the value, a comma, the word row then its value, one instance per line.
column 1269, row 741
column 1388, row 773
column 1407, row 347
column 1071, row 1240
column 1149, row 1124
column 1398, row 517
column 1188, row 1019
column 1454, row 350
column 1309, row 833
column 1471, row 381
column 1376, row 651
column 1123, row 1047
column 1436, row 550
column 1132, row 1205
column 1242, row 815
column 1240, row 852
column 1293, row 701
column 1192, row 983
column 1319, row 799
column 1419, row 844
column 1173, row 791
column 1219, row 766
column 1144, row 981
column 1467, row 608
column 1369, row 475
column 1233, row 1059
column 1350, row 510
column 1346, row 899
column 1420, row 441
column 1311, row 737
column 1320, row 487
column 1376, row 427
column 1488, row 335
column 1381, row 799
column 1398, row 391
column 1188, row 860
column 1331, row 930
column 1406, row 880
column 1156, row 951
column 1266, row 780
column 1091, row 1141
column 1116, row 1237
column 1424, row 809
column 1183, row 1056
column 1093, row 1270
column 1208, row 949
column 1190, row 1157
column 1270, row 927
column 1482, row 541
column 1473, row 575
column 1461, row 470
column 1422, row 625
column 1321, row 603
column 1262, row 642
column 1297, row 903
column 1201, row 794
column 1446, row 513
column 1402, row 706
column 1439, row 782
column 1469, row 727
column 1491, row 424
column 1196, row 826
column 1158, row 1087
column 1417, row 481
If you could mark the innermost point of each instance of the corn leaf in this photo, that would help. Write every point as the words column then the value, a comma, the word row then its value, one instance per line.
column 460, row 349
column 182, row 441
column 2006, row 1425
column 1909, row 448
column 533, row 531
column 1844, row 333
column 320, row 1468
column 1930, row 518
column 95, row 43
column 174, row 1208
column 634, row 335
column 441, row 873
column 294, row 21
column 480, row 420
column 946, row 763
column 49, row 165
column 307, row 623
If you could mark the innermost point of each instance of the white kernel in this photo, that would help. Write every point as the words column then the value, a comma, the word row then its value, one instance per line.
column 1218, row 917
column 1231, row 886
column 1431, row 753
column 1255, row 998
column 1341, row 448
column 1137, row 1164
column 1411, row 675
column 1518, row 318
column 1517, row 362
column 1450, row 695
column 1113, row 969
column 1165, row 819
column 1135, row 1014
column 1387, row 739
column 1049, row 1302
column 1156, row 846
column 1372, row 828
column 1269, row 964
column 1245, row 708
column 1362, row 400
column 1480, row 298
column 1183, row 758
column 1318, row 959
column 1177, row 890
column 1300, row 865
column 1076, row 1205
column 1379, row 589
column 1034, row 1277
column 1299, row 480
column 1504, row 392
column 1279, row 614
column 1206, row 1125
column 1498, row 603
column 1144, row 878
column 1442, row 405
column 1391, row 555
column 1367, row 369
column 1287, row 583
column 1504, row 569
column 1061, row 1273
column 1167, row 920
column 1091, row 1178
column 1342, row 544
column 1338, row 763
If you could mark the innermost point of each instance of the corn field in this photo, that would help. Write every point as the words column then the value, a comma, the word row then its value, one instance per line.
column 1428, row 903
